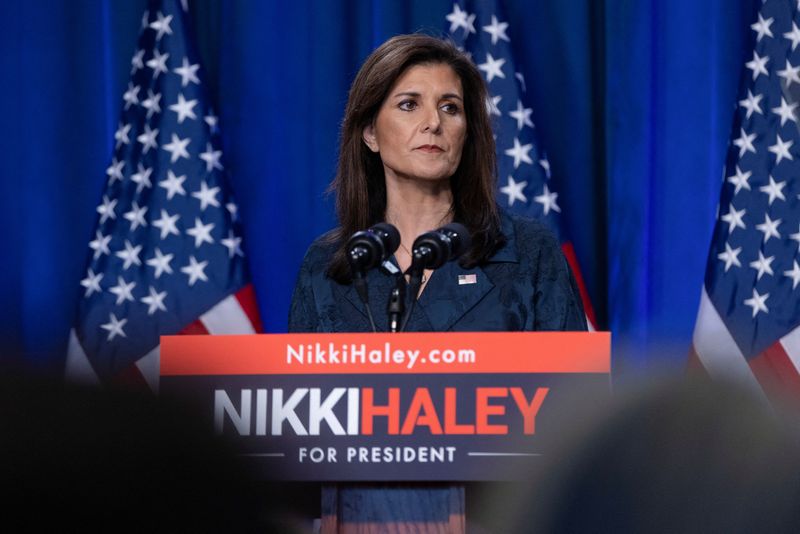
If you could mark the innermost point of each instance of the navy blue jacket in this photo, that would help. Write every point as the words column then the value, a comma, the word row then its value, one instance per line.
column 525, row 285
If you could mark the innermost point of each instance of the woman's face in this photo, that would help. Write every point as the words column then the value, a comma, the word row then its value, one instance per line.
column 420, row 128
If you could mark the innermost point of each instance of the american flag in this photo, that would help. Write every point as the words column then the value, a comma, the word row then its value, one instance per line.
column 750, row 306
column 481, row 30
column 166, row 254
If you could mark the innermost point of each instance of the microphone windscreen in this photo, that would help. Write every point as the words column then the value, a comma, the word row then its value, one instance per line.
column 390, row 235
column 459, row 236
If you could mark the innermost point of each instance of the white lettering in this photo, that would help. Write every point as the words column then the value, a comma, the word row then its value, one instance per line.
column 285, row 412
column 223, row 405
column 318, row 412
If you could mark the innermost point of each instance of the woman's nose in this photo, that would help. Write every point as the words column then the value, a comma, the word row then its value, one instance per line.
column 432, row 122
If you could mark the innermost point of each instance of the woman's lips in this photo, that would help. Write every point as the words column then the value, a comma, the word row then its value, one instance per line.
column 431, row 149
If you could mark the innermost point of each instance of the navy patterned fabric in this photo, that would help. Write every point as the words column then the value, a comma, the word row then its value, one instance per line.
column 526, row 285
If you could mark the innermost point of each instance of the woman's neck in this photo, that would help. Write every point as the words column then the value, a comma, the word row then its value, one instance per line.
column 415, row 208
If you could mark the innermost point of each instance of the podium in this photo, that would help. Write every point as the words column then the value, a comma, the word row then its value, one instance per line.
column 391, row 425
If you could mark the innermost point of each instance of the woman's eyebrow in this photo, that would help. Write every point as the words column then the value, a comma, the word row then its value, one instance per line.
column 415, row 94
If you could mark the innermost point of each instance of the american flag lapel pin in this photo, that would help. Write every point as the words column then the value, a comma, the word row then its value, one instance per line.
column 464, row 279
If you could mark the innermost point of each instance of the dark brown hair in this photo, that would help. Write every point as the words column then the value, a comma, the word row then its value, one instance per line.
column 360, row 185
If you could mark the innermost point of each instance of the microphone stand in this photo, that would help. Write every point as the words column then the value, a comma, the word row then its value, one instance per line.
column 414, row 282
column 397, row 304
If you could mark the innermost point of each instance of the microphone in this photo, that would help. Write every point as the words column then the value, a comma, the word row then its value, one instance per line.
column 433, row 249
column 367, row 249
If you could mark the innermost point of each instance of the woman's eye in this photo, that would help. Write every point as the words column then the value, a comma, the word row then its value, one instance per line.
column 408, row 105
column 450, row 108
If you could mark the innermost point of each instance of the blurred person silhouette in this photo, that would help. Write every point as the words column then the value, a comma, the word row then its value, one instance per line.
column 90, row 460
column 682, row 457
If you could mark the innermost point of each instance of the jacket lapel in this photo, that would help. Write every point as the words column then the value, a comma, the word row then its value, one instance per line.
column 452, row 290
column 445, row 300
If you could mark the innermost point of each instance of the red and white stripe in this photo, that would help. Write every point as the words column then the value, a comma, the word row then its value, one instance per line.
column 773, row 374
column 572, row 260
column 235, row 314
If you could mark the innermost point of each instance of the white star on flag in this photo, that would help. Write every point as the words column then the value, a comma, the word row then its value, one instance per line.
column 497, row 30
column 173, row 184
column 730, row 256
column 514, row 190
column 492, row 67
column 769, row 228
column 791, row 74
column 762, row 265
column 793, row 35
column 114, row 171
column 114, row 327
column 131, row 97
column 184, row 108
column 137, row 62
column 158, row 63
column 91, row 283
column 734, row 219
column 548, row 200
column 201, row 232
column 100, row 245
column 492, row 105
column 522, row 115
column 106, row 209
column 211, row 157
column 148, row 138
column 152, row 103
column 123, row 290
column 121, row 135
column 136, row 216
column 461, row 19
column 130, row 255
column 162, row 25
column 155, row 301
column 187, row 72
column 207, row 196
column 757, row 302
column 520, row 153
column 794, row 274
column 758, row 65
column 142, row 177
column 781, row 149
column 167, row 224
column 160, row 263
column 752, row 103
column 233, row 244
column 745, row 143
column 785, row 111
column 762, row 27
column 177, row 148
column 773, row 189
column 740, row 179
column 195, row 270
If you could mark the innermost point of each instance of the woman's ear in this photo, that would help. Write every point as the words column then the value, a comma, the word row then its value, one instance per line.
column 368, row 135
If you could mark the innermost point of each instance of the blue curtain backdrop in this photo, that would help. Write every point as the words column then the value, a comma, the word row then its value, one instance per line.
column 634, row 101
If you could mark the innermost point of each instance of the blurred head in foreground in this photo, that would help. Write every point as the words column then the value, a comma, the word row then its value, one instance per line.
column 88, row 460
column 682, row 457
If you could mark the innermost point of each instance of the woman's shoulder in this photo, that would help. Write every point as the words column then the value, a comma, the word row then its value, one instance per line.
column 526, row 231
column 321, row 250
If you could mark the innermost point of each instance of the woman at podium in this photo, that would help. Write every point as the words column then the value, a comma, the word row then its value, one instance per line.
column 417, row 151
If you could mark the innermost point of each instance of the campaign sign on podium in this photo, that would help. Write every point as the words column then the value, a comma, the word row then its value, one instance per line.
column 370, row 407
